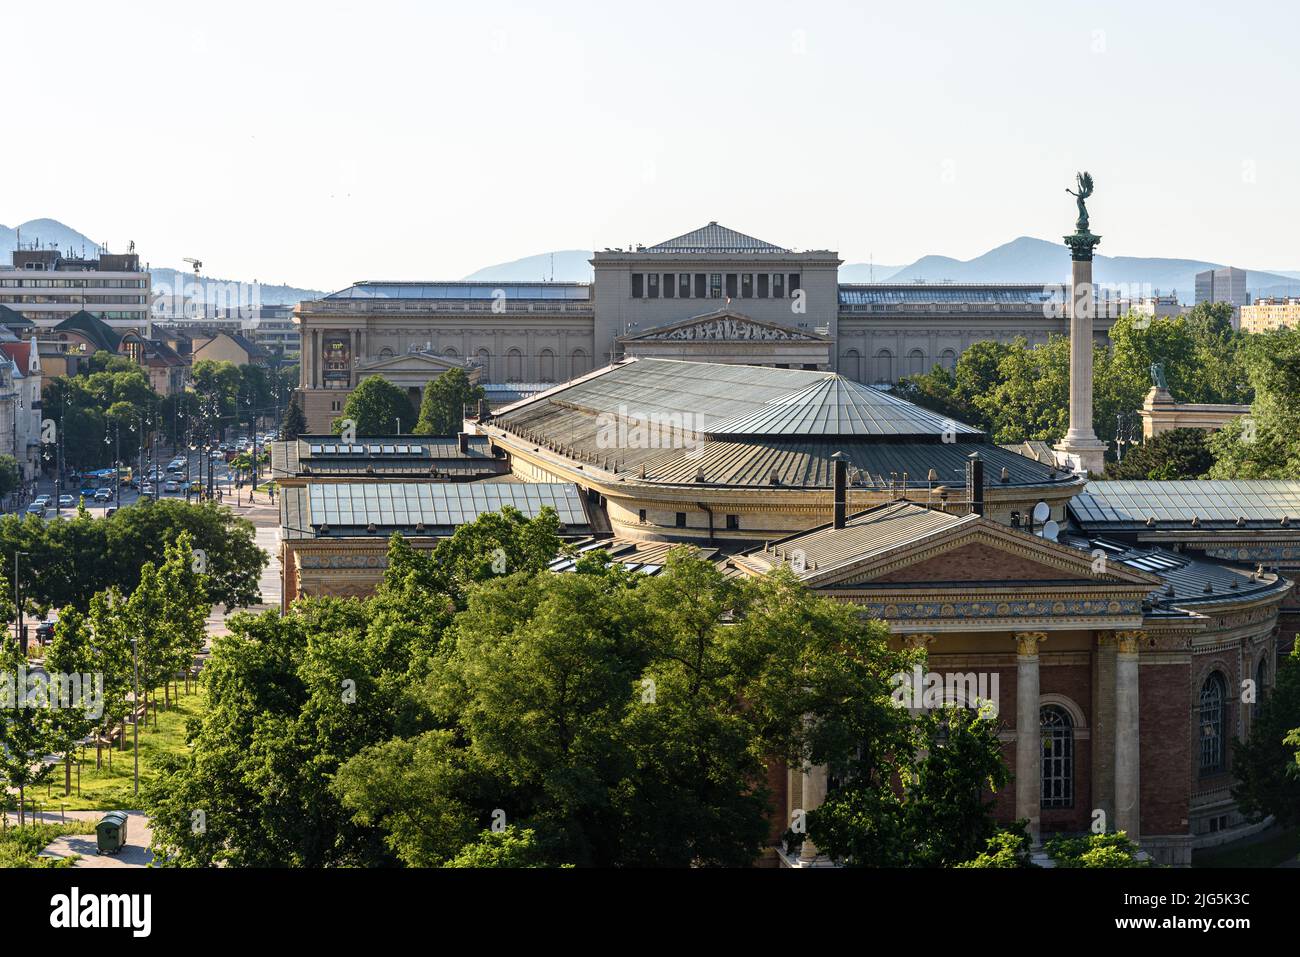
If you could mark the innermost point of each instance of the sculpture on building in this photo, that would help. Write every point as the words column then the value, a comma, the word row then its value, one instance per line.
column 1084, row 182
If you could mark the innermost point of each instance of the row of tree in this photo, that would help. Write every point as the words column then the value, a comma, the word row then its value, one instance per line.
column 1019, row 392
column 377, row 407
column 158, row 627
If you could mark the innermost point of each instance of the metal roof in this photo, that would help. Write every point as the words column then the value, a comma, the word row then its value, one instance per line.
column 386, row 455
column 1130, row 503
column 465, row 290
column 852, row 294
column 349, row 508
column 714, row 239
column 648, row 558
column 839, row 406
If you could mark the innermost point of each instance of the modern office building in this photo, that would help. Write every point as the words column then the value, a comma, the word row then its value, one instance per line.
column 47, row 287
column 1227, row 284
column 1265, row 315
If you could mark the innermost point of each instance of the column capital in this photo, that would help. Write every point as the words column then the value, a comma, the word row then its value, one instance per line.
column 922, row 640
column 1129, row 642
column 1027, row 642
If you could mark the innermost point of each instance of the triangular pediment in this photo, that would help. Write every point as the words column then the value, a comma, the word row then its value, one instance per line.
column 985, row 552
column 725, row 325
column 411, row 362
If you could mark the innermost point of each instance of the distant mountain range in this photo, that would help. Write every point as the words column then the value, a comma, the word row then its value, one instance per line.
column 1022, row 260
column 52, row 233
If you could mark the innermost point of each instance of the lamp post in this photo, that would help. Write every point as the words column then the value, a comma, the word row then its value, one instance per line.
column 18, row 608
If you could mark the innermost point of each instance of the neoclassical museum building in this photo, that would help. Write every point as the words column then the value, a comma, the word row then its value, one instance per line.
column 712, row 293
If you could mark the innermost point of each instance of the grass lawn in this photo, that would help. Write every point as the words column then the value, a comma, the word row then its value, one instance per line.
column 106, row 790
column 20, row 845
column 1275, row 846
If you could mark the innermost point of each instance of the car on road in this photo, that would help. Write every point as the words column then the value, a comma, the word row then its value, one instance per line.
column 148, row 489
column 103, row 495
column 41, row 500
column 172, row 486
column 36, row 508
column 67, row 501
column 89, row 492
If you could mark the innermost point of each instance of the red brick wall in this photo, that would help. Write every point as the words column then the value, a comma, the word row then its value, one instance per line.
column 1164, row 721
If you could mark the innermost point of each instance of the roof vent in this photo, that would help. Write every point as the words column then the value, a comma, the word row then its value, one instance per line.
column 1286, row 521
column 371, row 528
column 699, row 474
column 1208, row 588
column 1006, row 475
column 773, row 478
column 1151, row 521
column 1196, row 521
column 419, row 526
column 1169, row 589
column 1241, row 521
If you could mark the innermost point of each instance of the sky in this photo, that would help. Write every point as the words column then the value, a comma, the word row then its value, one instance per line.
column 320, row 143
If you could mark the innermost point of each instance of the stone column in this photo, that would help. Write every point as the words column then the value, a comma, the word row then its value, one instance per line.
column 1127, row 756
column 1029, row 734
column 814, row 793
column 1081, row 446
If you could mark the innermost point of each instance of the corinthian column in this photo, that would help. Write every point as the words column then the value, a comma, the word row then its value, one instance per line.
column 814, row 793
column 1127, row 755
column 1029, row 734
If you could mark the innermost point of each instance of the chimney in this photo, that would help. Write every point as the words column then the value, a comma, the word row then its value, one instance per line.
column 462, row 442
column 975, row 483
column 483, row 413
column 841, row 482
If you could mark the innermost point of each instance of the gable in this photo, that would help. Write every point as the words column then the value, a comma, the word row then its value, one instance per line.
column 725, row 326
column 976, row 561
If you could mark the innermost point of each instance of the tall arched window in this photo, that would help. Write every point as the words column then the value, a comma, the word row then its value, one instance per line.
column 948, row 359
column 915, row 362
column 851, row 365
column 578, row 362
column 1058, row 757
column 514, row 366
column 1213, row 708
column 884, row 371
column 484, row 359
column 451, row 353
column 546, row 366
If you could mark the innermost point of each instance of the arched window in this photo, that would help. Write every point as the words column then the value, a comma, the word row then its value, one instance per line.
column 948, row 359
column 851, row 365
column 450, row 353
column 1213, row 707
column 915, row 362
column 1058, row 757
column 546, row 366
column 484, row 359
column 578, row 363
column 884, row 371
column 386, row 353
column 514, row 366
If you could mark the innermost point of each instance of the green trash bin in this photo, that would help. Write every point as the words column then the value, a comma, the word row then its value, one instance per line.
column 110, row 832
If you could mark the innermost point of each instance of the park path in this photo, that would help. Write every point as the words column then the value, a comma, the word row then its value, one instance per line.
column 139, row 835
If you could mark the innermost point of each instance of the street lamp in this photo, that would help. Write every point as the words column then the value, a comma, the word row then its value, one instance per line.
column 135, row 707
column 18, row 607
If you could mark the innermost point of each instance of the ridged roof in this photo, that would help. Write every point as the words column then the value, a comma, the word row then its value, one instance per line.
column 836, row 406
column 714, row 239
column 1129, row 503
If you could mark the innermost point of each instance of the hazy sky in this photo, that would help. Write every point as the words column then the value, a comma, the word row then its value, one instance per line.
column 319, row 143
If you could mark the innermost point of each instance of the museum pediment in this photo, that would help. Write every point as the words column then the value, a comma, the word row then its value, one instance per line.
column 725, row 325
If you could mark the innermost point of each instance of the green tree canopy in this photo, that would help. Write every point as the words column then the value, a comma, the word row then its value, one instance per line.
column 442, row 410
column 376, row 407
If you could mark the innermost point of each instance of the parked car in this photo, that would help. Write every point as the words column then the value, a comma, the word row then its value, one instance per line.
column 103, row 495
column 45, row 632
column 67, row 501
column 36, row 508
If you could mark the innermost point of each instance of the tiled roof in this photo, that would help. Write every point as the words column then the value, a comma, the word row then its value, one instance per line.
column 714, row 239
column 96, row 330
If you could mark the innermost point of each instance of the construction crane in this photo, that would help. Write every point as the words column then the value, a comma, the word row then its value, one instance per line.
column 196, row 263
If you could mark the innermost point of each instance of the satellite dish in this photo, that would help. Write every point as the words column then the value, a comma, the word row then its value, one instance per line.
column 1051, row 530
column 1041, row 512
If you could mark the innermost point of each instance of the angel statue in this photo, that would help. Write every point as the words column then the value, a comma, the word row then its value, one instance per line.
column 1084, row 181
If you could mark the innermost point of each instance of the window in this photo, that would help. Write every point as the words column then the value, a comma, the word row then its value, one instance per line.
column 578, row 363
column 670, row 285
column 747, row 285
column 514, row 366
column 652, row 285
column 546, row 366
column 948, row 359
column 794, row 283
column 640, row 516
column 336, row 405
column 915, row 362
column 763, row 281
column 851, row 365
column 731, row 285
column 638, row 285
column 778, row 285
column 1058, row 757
column 681, row 519
column 1213, row 704
column 884, row 371
column 683, row 285
column 715, row 285
column 699, row 285
column 733, row 523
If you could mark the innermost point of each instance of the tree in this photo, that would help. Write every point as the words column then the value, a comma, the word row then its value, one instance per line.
column 10, row 475
column 28, row 731
column 293, row 423
column 1265, row 444
column 1176, row 454
column 1265, row 765
column 1008, row 848
column 376, row 407
column 442, row 410
column 71, row 662
column 510, row 847
column 1112, row 849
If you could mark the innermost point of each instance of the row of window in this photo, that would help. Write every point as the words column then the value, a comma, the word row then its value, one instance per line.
column 73, row 283
column 886, row 367
column 742, row 285
column 47, row 299
column 1212, row 718
column 732, row 522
